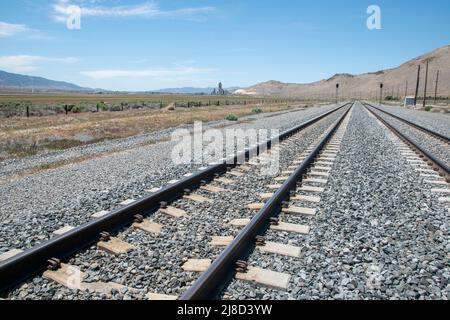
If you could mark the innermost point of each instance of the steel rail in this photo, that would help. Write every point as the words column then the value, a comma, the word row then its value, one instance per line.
column 438, row 166
column 436, row 135
column 34, row 260
column 211, row 282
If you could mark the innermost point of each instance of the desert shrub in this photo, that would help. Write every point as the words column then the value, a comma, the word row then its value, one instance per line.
column 115, row 108
column 77, row 109
column 102, row 106
column 232, row 117
column 257, row 110
column 428, row 108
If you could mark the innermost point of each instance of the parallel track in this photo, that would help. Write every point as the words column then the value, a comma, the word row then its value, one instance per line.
column 33, row 261
column 212, row 282
column 438, row 166
column 432, row 133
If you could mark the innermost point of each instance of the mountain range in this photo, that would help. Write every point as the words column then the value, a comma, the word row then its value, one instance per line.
column 13, row 81
column 192, row 90
column 396, row 81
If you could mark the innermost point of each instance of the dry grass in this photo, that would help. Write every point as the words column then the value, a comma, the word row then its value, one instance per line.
column 21, row 137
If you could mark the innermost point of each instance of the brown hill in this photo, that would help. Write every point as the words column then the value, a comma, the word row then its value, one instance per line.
column 367, row 85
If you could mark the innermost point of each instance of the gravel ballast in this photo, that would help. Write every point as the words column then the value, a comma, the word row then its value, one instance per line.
column 439, row 122
column 155, row 266
column 440, row 150
column 35, row 206
column 379, row 232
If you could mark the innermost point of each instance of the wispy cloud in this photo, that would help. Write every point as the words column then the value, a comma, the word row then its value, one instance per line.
column 62, row 10
column 10, row 29
column 20, row 31
column 149, row 73
column 27, row 63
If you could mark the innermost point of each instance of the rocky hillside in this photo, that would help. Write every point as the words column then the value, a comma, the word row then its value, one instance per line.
column 367, row 85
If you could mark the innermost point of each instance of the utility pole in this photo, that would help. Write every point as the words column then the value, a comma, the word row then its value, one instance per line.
column 381, row 92
column 337, row 93
column 406, row 89
column 425, row 89
column 398, row 92
column 417, row 85
column 435, row 90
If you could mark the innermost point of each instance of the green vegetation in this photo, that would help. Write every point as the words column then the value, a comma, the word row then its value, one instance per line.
column 428, row 108
column 232, row 117
column 51, row 104
column 101, row 106
column 257, row 110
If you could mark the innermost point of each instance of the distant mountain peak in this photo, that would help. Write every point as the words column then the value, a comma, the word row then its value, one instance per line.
column 340, row 75
column 396, row 80
column 15, row 81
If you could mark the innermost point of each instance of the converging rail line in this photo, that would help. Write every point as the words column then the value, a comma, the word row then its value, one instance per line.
column 435, row 134
column 232, row 260
column 49, row 254
column 437, row 165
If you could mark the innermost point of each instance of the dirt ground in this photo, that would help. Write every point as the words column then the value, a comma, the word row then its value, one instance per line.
column 21, row 137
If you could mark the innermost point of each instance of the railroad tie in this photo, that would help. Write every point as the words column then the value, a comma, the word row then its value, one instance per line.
column 127, row 202
column 197, row 198
column 148, row 226
column 440, row 191
column 196, row 265
column 264, row 277
column 100, row 214
column 444, row 200
column 160, row 297
column 224, row 180
column 256, row 206
column 9, row 254
column 304, row 198
column 115, row 246
column 73, row 278
column 173, row 212
column 300, row 210
column 282, row 226
column 212, row 189
column 63, row 230
column 236, row 173
column 311, row 189
column 438, row 182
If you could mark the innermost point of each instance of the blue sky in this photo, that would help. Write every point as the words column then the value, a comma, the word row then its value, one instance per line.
column 142, row 45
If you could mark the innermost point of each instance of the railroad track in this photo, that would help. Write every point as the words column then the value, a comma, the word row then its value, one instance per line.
column 432, row 133
column 17, row 266
column 312, row 167
column 431, row 163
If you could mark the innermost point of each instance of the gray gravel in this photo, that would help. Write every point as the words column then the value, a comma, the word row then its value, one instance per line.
column 439, row 122
column 13, row 166
column 439, row 150
column 379, row 233
column 155, row 265
column 35, row 206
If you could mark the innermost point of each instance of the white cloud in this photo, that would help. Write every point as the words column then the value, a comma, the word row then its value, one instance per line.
column 27, row 63
column 149, row 73
column 10, row 30
column 62, row 10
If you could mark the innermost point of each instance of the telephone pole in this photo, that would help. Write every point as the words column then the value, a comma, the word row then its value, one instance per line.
column 425, row 89
column 435, row 90
column 417, row 85
column 406, row 89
